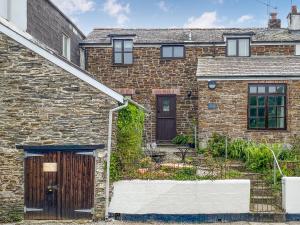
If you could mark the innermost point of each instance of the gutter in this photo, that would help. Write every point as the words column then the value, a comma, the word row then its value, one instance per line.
column 109, row 148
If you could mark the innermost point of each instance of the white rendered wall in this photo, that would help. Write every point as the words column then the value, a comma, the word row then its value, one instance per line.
column 15, row 11
column 181, row 197
column 18, row 13
column 291, row 194
column 3, row 8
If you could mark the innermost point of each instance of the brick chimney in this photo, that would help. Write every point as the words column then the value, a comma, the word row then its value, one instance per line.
column 274, row 23
column 294, row 19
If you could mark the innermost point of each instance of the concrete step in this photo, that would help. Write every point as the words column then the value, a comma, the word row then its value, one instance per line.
column 272, row 217
column 262, row 192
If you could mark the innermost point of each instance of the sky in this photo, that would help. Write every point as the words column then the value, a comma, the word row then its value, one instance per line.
column 89, row 14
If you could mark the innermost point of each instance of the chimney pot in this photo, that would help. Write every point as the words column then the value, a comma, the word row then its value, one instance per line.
column 273, row 15
column 294, row 9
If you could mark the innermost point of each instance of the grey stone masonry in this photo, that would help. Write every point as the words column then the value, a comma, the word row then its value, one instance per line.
column 47, row 24
column 41, row 104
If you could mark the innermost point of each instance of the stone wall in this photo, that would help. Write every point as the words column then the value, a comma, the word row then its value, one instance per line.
column 150, row 74
column 46, row 23
column 230, row 117
column 42, row 104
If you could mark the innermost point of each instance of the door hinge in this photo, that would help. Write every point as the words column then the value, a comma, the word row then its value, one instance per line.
column 85, row 210
column 87, row 153
column 29, row 154
column 32, row 209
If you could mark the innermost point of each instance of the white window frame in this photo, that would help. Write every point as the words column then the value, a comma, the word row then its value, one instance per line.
column 297, row 49
column 66, row 47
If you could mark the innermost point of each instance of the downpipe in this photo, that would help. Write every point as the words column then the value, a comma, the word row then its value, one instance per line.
column 108, row 156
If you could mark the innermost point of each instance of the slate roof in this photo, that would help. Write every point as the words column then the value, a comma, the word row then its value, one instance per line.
column 102, row 36
column 255, row 67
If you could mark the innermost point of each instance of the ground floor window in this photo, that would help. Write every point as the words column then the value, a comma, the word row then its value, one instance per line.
column 267, row 106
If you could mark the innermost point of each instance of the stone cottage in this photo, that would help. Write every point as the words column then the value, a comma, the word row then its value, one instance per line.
column 53, row 131
column 239, row 82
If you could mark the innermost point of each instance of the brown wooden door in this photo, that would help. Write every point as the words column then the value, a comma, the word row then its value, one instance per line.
column 59, row 185
column 166, row 118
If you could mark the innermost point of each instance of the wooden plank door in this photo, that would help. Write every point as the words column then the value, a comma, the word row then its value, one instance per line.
column 59, row 185
column 166, row 118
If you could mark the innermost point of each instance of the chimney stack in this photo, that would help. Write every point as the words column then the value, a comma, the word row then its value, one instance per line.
column 294, row 19
column 274, row 23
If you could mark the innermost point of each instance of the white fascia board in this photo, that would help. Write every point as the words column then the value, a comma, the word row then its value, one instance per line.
column 20, row 38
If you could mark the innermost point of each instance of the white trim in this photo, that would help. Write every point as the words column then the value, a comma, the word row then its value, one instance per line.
column 22, row 38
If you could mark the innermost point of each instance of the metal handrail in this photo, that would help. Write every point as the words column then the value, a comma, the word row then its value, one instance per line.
column 276, row 162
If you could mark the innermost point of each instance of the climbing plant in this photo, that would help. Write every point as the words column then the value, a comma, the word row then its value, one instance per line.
column 130, row 126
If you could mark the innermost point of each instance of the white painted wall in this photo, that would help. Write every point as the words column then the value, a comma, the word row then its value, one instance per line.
column 294, row 22
column 181, row 197
column 291, row 194
column 15, row 11
column 3, row 8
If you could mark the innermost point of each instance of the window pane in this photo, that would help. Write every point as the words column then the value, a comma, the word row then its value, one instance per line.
column 280, row 100
column 253, row 100
column 261, row 111
column 280, row 123
column 231, row 47
column 261, row 100
column 118, row 45
column 166, row 52
column 253, row 112
column 272, row 122
column 272, row 89
column 118, row 58
column 166, row 105
column 128, row 59
column 261, row 123
column 261, row 89
column 280, row 112
column 179, row 51
column 244, row 47
column 252, row 123
column 253, row 89
column 128, row 46
column 280, row 89
column 272, row 100
column 272, row 111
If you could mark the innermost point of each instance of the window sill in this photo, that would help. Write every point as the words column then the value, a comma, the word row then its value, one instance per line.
column 267, row 130
column 170, row 59
column 122, row 65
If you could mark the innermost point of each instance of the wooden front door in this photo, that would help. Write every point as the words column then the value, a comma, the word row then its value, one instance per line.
column 59, row 185
column 166, row 118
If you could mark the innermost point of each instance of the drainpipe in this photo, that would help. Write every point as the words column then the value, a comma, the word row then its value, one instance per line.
column 109, row 147
column 109, row 154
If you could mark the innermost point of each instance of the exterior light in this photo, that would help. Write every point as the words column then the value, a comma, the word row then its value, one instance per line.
column 212, row 84
column 189, row 94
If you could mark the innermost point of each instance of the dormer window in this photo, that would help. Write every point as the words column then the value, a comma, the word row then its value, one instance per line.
column 122, row 52
column 238, row 47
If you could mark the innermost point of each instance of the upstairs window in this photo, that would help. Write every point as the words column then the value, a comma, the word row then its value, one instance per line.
column 123, row 52
column 238, row 47
column 172, row 52
column 267, row 106
column 66, row 50
column 297, row 49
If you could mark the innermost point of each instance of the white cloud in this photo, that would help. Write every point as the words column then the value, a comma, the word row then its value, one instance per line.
column 206, row 20
column 71, row 7
column 117, row 10
column 162, row 6
column 245, row 18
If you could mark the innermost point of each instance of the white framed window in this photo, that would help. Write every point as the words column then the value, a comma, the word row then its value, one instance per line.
column 66, row 49
column 297, row 49
column 82, row 58
column 172, row 51
column 238, row 47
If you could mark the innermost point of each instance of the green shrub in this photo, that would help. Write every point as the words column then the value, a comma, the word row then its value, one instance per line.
column 217, row 145
column 128, row 153
column 186, row 173
column 238, row 149
column 183, row 140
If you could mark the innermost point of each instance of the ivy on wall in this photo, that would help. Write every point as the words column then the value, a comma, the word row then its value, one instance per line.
column 130, row 126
